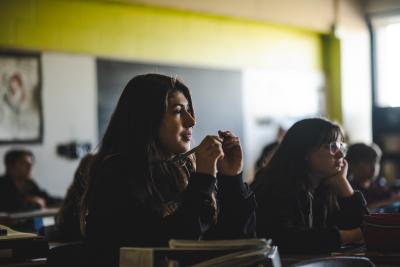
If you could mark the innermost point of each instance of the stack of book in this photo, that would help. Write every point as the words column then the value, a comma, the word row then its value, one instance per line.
column 214, row 253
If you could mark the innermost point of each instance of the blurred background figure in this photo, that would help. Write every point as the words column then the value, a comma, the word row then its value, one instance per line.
column 269, row 149
column 364, row 169
column 18, row 191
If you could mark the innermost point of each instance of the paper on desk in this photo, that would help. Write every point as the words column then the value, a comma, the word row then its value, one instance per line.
column 12, row 234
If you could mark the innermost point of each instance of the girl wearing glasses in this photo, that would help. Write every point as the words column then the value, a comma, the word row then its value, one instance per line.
column 305, row 203
column 139, row 196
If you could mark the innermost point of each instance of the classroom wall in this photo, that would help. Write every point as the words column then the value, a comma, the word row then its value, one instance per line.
column 69, row 113
column 355, row 70
column 82, row 30
column 379, row 6
column 145, row 33
column 355, row 80
column 356, row 85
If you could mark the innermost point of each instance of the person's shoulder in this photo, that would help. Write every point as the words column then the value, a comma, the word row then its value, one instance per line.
column 7, row 186
column 31, row 183
column 116, row 165
column 273, row 187
column 4, row 179
column 271, row 182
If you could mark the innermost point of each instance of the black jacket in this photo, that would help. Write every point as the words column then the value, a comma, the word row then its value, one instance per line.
column 119, row 218
column 302, row 222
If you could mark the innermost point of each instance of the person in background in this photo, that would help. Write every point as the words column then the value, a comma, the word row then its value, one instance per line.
column 304, row 200
column 18, row 191
column 364, row 167
column 269, row 150
column 68, row 219
column 138, row 195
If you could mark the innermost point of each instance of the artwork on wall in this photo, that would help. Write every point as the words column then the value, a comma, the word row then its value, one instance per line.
column 21, row 119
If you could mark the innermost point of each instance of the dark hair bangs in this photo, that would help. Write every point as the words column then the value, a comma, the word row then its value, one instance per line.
column 330, row 133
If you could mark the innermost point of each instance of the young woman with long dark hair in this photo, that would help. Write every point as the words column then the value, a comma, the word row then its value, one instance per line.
column 305, row 203
column 139, row 196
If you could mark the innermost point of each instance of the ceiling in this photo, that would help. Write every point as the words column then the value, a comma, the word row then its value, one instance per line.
column 309, row 14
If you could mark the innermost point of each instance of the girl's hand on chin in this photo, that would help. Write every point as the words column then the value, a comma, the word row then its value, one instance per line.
column 341, row 174
column 339, row 182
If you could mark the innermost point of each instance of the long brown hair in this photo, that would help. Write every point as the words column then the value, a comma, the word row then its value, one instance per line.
column 70, row 209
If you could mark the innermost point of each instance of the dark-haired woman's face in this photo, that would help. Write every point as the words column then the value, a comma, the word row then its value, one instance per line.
column 176, row 127
column 324, row 161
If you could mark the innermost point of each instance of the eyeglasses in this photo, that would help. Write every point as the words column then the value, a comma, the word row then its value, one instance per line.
column 335, row 146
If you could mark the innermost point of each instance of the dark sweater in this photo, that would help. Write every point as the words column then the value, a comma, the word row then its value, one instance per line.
column 301, row 222
column 117, row 217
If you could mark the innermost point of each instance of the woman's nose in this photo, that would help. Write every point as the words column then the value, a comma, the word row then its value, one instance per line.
column 339, row 154
column 189, row 120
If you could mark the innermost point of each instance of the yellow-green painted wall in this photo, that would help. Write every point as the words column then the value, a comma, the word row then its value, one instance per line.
column 331, row 66
column 143, row 33
column 154, row 34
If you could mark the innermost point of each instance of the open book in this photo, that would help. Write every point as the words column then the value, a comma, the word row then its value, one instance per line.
column 237, row 252
column 232, row 244
column 215, row 253
column 267, row 256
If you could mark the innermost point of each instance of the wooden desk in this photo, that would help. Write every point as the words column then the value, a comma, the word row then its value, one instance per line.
column 29, row 221
column 13, row 216
column 28, row 263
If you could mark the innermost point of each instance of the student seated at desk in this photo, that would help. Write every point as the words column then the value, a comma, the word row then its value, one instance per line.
column 364, row 167
column 139, row 196
column 18, row 191
column 269, row 149
column 305, row 203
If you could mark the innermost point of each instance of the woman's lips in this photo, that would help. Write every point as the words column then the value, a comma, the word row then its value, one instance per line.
column 187, row 137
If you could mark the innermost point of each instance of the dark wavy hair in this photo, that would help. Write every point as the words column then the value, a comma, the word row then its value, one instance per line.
column 288, row 168
column 133, row 133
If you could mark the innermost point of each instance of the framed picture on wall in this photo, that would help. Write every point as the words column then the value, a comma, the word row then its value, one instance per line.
column 21, row 119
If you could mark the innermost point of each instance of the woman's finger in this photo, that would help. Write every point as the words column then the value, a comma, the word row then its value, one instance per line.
column 225, row 134
column 231, row 143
